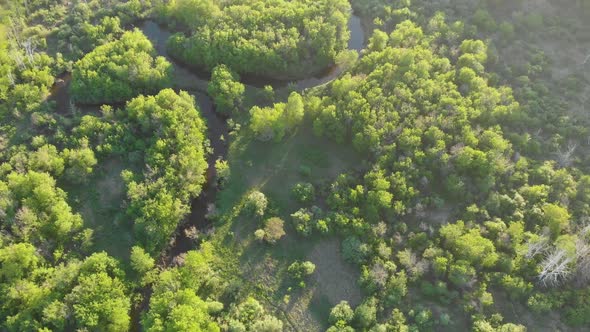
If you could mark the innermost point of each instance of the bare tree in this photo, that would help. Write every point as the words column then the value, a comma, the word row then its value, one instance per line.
column 30, row 47
column 565, row 158
column 536, row 247
column 12, row 80
column 555, row 268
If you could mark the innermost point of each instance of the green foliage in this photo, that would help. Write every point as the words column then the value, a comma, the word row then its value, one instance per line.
column 341, row 314
column 180, row 310
column 172, row 136
column 141, row 262
column 99, row 301
column 39, row 210
column 256, row 203
column 303, row 221
column 272, row 123
column 269, row 38
column 175, row 304
column 131, row 69
column 469, row 244
column 354, row 251
column 250, row 316
column 226, row 90
column 557, row 218
column 303, row 192
column 273, row 230
column 299, row 270
column 188, row 13
column 365, row 314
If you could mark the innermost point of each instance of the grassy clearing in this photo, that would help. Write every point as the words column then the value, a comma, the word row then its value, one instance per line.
column 274, row 168
column 100, row 201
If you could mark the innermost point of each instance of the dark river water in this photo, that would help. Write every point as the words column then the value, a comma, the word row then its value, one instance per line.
column 195, row 82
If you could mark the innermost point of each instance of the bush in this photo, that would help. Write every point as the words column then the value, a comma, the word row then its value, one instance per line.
column 354, row 251
column 341, row 314
column 256, row 203
column 302, row 220
column 304, row 192
column 365, row 314
column 540, row 303
column 272, row 232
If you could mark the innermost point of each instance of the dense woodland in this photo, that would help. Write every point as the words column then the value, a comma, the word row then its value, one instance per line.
column 441, row 182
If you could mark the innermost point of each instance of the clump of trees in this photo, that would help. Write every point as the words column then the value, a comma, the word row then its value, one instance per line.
column 120, row 70
column 169, row 131
column 268, row 38
column 226, row 90
column 176, row 302
column 272, row 123
column 299, row 270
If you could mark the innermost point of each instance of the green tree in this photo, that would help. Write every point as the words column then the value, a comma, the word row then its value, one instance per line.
column 99, row 302
column 226, row 90
column 556, row 218
column 132, row 68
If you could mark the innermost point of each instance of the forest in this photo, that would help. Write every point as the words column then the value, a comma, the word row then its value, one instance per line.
column 274, row 165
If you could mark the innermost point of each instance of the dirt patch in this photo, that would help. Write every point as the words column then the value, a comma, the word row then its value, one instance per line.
column 335, row 279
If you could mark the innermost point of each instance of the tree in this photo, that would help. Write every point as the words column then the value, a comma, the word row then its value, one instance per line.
column 79, row 163
column 304, row 192
column 141, row 262
column 354, row 251
column 273, row 230
column 132, row 68
column 294, row 112
column 190, row 13
column 17, row 260
column 226, row 90
column 250, row 316
column 273, row 39
column 365, row 315
column 266, row 122
column 99, row 301
column 299, row 270
column 302, row 220
column 341, row 314
column 47, row 159
column 170, row 132
column 256, row 203
column 179, row 310
column 557, row 218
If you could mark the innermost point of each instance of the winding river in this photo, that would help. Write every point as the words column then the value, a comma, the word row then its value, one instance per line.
column 195, row 82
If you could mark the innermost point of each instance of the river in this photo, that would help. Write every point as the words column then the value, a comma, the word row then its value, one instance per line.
column 196, row 82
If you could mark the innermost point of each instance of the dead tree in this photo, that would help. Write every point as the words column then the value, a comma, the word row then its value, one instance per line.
column 555, row 268
column 11, row 79
column 30, row 48
column 537, row 247
column 565, row 158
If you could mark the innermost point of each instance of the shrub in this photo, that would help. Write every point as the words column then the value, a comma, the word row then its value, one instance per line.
column 304, row 192
column 272, row 232
column 256, row 203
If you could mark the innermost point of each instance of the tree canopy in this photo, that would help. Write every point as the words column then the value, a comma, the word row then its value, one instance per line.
column 120, row 70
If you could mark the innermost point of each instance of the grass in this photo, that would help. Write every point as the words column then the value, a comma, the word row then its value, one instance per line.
column 100, row 202
column 274, row 168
